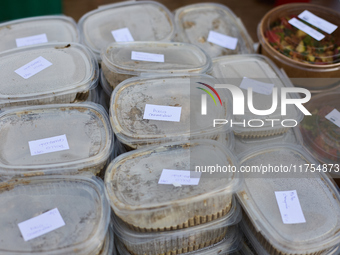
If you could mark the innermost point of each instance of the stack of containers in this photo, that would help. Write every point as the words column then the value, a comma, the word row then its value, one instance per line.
column 162, row 205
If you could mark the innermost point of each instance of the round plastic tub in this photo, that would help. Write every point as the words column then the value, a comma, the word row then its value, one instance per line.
column 118, row 64
column 35, row 30
column 69, row 72
column 80, row 202
column 317, row 63
column 251, row 69
column 317, row 196
column 129, row 100
column 83, row 128
column 145, row 20
column 195, row 22
column 136, row 197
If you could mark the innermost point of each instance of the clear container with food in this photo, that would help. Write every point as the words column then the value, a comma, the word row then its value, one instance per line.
column 214, row 28
column 37, row 30
column 47, row 74
column 259, row 73
column 126, row 21
column 289, row 211
column 124, row 60
column 304, row 40
column 172, row 186
column 67, row 138
column 72, row 210
column 156, row 109
column 217, row 237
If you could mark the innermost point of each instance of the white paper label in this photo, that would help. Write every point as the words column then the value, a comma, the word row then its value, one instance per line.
column 33, row 67
column 334, row 116
column 31, row 40
column 181, row 177
column 257, row 86
column 290, row 208
column 307, row 29
column 150, row 57
column 41, row 224
column 222, row 40
column 318, row 22
column 47, row 145
column 162, row 112
column 122, row 35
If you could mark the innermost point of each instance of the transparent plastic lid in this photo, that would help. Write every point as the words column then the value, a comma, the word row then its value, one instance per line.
column 145, row 21
column 210, row 25
column 137, row 197
column 81, row 204
column 47, row 72
column 317, row 196
column 321, row 130
column 52, row 137
column 296, row 31
column 131, row 100
column 36, row 30
column 178, row 58
column 261, row 74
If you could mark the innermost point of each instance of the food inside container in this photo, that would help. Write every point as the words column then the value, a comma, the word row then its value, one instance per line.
column 285, row 210
column 126, row 21
column 214, row 28
column 37, row 30
column 124, row 60
column 148, row 190
column 73, row 211
column 47, row 74
column 70, row 138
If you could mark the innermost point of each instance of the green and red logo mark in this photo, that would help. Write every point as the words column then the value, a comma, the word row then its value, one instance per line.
column 204, row 97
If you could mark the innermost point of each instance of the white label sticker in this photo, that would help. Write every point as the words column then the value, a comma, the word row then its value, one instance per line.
column 162, row 112
column 122, row 35
column 31, row 40
column 318, row 22
column 143, row 56
column 290, row 208
column 33, row 67
column 307, row 29
column 179, row 177
column 47, row 145
column 41, row 224
column 334, row 116
column 257, row 86
column 222, row 40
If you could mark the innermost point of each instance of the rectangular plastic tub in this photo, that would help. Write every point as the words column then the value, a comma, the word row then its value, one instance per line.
column 80, row 202
column 40, row 29
column 118, row 65
column 195, row 22
column 317, row 195
column 85, row 126
column 140, row 201
column 145, row 20
column 129, row 99
column 72, row 73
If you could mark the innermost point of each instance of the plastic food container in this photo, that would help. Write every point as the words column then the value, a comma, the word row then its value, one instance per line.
column 119, row 63
column 182, row 240
column 145, row 21
column 195, row 22
column 36, row 30
column 81, row 204
column 130, row 99
column 136, row 197
column 54, row 73
column 317, row 195
column 77, row 138
column 262, row 75
column 299, row 54
column 108, row 247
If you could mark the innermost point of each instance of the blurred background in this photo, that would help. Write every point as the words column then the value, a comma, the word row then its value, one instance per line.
column 250, row 11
